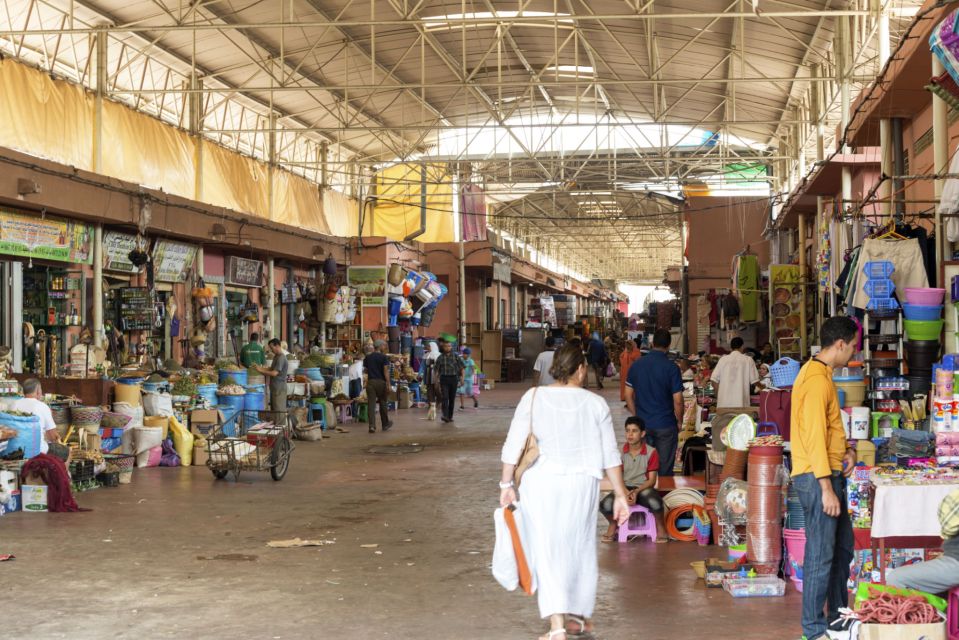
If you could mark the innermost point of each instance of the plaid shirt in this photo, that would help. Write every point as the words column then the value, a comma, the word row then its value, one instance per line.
column 449, row 364
column 949, row 515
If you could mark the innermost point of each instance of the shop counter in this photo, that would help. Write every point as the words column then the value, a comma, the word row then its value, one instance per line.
column 90, row 391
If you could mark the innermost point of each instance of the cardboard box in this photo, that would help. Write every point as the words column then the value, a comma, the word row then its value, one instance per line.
column 935, row 631
column 200, row 454
column 202, row 421
column 34, row 498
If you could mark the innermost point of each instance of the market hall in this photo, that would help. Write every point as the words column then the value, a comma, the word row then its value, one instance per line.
column 287, row 288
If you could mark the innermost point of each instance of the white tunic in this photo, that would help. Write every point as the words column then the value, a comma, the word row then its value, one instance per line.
column 735, row 372
column 560, row 493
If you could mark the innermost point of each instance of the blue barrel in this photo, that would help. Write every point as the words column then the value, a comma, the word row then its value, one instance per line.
column 231, row 406
column 313, row 373
column 129, row 380
column 208, row 393
column 157, row 387
column 253, row 402
column 239, row 376
column 28, row 435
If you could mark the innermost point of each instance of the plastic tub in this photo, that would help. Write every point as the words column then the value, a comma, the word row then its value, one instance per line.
column 156, row 387
column 208, row 393
column 923, row 330
column 921, row 354
column 129, row 393
column 922, row 312
column 924, row 296
column 919, row 383
column 760, row 586
column 853, row 390
column 238, row 375
column 313, row 373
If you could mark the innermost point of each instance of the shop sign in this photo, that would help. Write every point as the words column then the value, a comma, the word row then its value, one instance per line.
column 44, row 238
column 370, row 282
column 172, row 260
column 244, row 272
column 116, row 251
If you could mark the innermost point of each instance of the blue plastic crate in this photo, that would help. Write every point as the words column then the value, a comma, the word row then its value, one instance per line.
column 879, row 288
column 881, row 305
column 877, row 269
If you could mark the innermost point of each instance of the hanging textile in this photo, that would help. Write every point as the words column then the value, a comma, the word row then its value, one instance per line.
column 825, row 253
column 747, row 282
column 949, row 202
column 906, row 257
column 473, row 212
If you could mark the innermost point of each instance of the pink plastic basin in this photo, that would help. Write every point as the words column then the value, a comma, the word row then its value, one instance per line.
column 930, row 297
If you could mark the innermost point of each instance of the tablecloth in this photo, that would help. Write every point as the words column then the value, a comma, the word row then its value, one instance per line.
column 908, row 510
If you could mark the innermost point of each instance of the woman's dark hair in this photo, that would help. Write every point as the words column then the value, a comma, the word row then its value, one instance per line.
column 837, row 328
column 567, row 361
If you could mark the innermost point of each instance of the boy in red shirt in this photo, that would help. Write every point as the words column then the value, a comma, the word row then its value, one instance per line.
column 640, row 470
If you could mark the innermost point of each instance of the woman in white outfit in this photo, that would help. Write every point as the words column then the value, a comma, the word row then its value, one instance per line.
column 560, row 492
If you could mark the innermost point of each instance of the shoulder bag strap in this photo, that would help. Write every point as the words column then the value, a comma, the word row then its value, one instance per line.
column 532, row 405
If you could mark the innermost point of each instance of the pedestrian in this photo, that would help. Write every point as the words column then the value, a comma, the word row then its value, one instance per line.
column 431, row 379
column 654, row 392
column 277, row 375
column 734, row 375
column 597, row 357
column 469, row 376
column 544, row 361
column 630, row 355
column 560, row 492
column 449, row 366
column 378, row 385
column 252, row 352
column 821, row 457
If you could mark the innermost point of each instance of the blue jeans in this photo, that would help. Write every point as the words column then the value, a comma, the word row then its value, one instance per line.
column 830, row 548
column 665, row 441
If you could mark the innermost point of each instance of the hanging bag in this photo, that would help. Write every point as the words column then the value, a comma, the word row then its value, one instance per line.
column 530, row 450
column 251, row 312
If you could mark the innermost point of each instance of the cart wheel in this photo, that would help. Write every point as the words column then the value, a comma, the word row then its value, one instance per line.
column 219, row 474
column 280, row 459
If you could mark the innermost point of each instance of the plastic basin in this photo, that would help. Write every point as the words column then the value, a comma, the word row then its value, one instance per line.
column 924, row 296
column 238, row 376
column 923, row 329
column 922, row 312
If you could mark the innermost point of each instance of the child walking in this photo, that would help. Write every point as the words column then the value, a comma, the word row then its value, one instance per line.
column 469, row 377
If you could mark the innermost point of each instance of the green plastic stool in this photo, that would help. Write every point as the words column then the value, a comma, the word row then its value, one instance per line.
column 362, row 414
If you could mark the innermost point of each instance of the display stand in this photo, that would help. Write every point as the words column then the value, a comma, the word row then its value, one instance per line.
column 870, row 365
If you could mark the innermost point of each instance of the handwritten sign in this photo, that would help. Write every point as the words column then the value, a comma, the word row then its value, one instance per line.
column 244, row 272
column 172, row 260
column 35, row 236
column 116, row 250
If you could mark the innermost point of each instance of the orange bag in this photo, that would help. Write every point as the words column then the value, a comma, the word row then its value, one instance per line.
column 522, row 567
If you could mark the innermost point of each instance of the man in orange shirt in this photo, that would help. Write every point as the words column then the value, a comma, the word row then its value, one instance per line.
column 821, row 458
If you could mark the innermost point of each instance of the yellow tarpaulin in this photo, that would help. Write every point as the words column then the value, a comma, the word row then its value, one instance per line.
column 234, row 181
column 143, row 150
column 342, row 213
column 397, row 212
column 44, row 117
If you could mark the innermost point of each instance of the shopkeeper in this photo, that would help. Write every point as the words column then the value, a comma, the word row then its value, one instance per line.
column 32, row 403
column 252, row 352
column 942, row 574
column 277, row 375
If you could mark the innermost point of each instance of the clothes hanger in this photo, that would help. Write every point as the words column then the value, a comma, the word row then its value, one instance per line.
column 889, row 232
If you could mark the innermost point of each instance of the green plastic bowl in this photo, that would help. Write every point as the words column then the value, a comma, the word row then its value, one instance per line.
column 923, row 329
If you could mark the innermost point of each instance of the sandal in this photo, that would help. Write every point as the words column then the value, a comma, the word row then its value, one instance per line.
column 662, row 539
column 607, row 539
column 553, row 633
column 584, row 628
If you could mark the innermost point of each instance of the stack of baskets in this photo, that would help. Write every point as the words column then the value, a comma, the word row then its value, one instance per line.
column 86, row 418
column 124, row 464
column 879, row 287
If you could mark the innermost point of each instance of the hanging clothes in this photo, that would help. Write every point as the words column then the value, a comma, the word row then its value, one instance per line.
column 906, row 257
column 747, row 282
column 949, row 201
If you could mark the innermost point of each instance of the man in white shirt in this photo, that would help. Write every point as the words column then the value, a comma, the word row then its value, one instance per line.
column 544, row 362
column 734, row 374
column 32, row 403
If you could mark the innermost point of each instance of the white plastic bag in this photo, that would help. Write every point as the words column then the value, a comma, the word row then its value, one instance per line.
column 504, row 566
column 157, row 404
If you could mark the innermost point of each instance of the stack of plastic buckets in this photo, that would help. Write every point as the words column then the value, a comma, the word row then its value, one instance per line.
column 795, row 550
column 923, row 323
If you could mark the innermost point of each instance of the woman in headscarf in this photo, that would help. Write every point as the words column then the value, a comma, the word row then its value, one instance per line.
column 630, row 355
column 430, row 380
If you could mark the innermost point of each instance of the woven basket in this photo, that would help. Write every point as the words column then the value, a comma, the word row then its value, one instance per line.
column 61, row 415
column 86, row 417
column 111, row 420
column 122, row 461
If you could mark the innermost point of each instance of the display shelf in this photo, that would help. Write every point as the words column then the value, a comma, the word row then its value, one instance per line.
column 874, row 363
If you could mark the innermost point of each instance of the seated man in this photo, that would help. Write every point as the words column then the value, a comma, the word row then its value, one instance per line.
column 32, row 403
column 640, row 470
column 941, row 574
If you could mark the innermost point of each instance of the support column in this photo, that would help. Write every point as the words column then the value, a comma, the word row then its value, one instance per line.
column 195, row 122
column 271, row 299
column 100, row 92
column 803, row 329
column 271, row 166
column 684, row 289
column 98, row 285
column 940, row 144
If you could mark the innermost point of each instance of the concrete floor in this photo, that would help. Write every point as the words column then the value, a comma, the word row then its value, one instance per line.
column 177, row 554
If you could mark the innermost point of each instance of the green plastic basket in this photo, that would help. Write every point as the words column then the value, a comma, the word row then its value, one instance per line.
column 923, row 329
